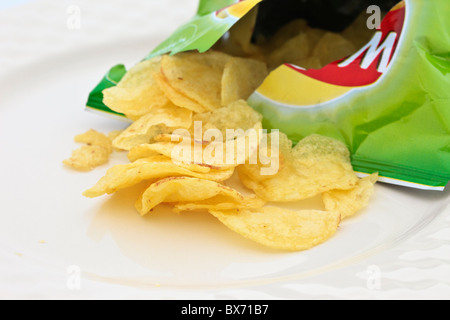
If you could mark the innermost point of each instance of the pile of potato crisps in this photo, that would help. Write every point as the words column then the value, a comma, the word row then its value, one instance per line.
column 296, row 43
column 170, row 94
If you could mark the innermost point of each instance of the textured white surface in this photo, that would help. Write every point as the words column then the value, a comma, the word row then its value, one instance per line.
column 47, row 27
column 409, row 261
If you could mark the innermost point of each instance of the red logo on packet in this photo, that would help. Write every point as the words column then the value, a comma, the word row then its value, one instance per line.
column 367, row 65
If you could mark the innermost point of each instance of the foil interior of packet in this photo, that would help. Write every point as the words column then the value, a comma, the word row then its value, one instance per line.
column 387, row 98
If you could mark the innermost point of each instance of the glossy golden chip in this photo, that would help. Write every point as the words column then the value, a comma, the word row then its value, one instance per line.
column 191, row 192
column 282, row 229
column 350, row 202
column 87, row 158
column 96, row 152
column 198, row 77
column 151, row 169
column 241, row 77
column 159, row 120
column 317, row 164
column 137, row 93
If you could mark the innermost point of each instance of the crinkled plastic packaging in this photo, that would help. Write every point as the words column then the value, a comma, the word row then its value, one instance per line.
column 389, row 101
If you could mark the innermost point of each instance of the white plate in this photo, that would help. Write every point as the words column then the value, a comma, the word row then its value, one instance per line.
column 49, row 234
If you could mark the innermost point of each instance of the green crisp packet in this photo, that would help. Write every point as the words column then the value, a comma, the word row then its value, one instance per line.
column 389, row 101
column 212, row 20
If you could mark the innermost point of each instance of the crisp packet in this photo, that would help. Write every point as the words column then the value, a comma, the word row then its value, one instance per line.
column 212, row 20
column 389, row 101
